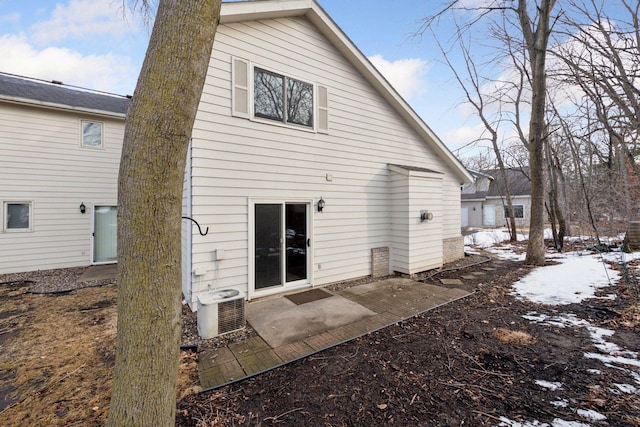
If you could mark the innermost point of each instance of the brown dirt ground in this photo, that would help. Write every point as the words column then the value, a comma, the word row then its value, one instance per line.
column 465, row 363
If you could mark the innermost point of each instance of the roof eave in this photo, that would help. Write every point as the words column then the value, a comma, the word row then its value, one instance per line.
column 60, row 107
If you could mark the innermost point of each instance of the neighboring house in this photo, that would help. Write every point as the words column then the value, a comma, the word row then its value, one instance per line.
column 484, row 202
column 305, row 165
column 59, row 150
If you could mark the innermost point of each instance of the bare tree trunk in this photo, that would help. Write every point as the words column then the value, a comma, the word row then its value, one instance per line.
column 157, row 133
column 536, row 41
column 554, row 211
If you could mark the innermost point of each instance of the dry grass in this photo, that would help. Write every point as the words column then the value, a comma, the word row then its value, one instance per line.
column 510, row 337
column 62, row 374
column 58, row 354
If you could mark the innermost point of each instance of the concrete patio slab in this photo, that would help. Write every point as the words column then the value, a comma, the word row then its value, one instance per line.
column 279, row 321
column 403, row 297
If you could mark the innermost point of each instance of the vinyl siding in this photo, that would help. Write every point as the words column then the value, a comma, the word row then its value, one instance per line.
column 500, row 203
column 42, row 162
column 416, row 244
column 236, row 159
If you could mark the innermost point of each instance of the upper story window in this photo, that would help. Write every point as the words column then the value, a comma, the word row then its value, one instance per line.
column 92, row 134
column 17, row 216
column 265, row 95
column 281, row 98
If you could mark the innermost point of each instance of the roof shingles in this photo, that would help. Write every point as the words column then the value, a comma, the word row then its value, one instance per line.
column 41, row 91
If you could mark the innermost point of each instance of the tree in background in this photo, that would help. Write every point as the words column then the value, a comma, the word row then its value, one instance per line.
column 536, row 36
column 157, row 133
column 534, row 31
column 600, row 57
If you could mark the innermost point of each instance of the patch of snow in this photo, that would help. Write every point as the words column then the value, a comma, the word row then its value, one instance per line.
column 591, row 415
column 549, row 384
column 627, row 388
column 471, row 250
column 535, row 316
column 486, row 238
column 621, row 256
column 576, row 278
column 610, row 360
column 506, row 252
column 562, row 321
column 594, row 371
column 557, row 422
column 597, row 336
column 506, row 422
column 562, row 403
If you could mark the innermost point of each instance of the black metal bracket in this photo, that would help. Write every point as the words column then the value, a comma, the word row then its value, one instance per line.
column 199, row 229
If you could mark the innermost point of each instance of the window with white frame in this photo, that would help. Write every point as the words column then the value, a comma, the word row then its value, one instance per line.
column 17, row 216
column 92, row 134
column 518, row 211
column 281, row 98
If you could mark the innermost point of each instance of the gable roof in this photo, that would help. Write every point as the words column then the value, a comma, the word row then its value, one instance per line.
column 22, row 90
column 517, row 180
column 240, row 11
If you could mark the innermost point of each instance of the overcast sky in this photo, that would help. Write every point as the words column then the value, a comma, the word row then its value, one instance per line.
column 98, row 45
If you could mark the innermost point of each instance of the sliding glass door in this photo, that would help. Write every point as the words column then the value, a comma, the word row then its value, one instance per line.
column 281, row 242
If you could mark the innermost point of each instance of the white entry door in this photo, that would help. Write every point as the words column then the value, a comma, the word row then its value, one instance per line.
column 489, row 215
column 464, row 217
column 105, row 234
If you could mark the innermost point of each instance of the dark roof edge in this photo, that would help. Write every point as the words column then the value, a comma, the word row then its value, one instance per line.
column 55, row 95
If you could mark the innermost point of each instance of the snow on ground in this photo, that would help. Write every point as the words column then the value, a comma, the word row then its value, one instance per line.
column 551, row 385
column 486, row 238
column 575, row 277
column 505, row 422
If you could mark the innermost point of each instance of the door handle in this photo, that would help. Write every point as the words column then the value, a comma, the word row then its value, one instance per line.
column 308, row 242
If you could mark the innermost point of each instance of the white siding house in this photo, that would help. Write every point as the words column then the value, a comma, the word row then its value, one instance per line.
column 484, row 201
column 59, row 148
column 292, row 117
column 257, row 177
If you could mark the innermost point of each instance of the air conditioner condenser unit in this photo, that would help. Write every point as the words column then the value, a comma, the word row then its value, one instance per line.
column 220, row 312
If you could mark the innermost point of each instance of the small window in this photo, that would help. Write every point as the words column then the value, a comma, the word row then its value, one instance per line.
column 17, row 216
column 91, row 134
column 518, row 211
column 282, row 99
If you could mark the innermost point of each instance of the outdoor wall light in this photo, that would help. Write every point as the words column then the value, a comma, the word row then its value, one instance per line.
column 83, row 208
column 320, row 204
column 425, row 216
